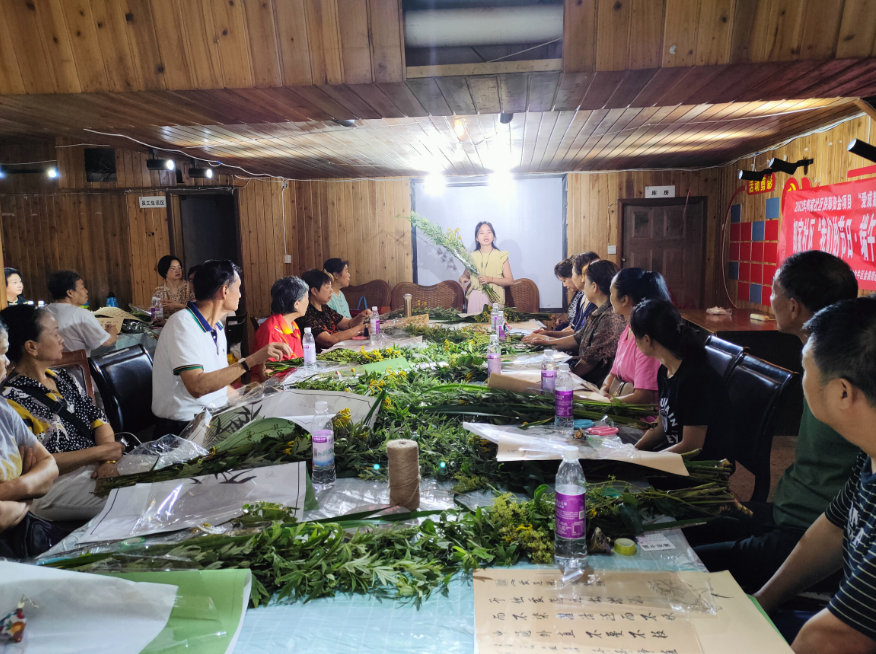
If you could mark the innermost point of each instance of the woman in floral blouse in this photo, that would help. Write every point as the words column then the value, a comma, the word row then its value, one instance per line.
column 175, row 293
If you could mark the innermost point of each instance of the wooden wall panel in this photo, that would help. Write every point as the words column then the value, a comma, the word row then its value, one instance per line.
column 149, row 234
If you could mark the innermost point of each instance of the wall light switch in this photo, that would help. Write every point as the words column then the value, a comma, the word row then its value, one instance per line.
column 287, row 258
column 612, row 249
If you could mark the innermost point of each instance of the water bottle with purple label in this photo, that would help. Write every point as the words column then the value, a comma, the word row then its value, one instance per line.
column 494, row 318
column 570, row 542
column 309, row 347
column 565, row 419
column 494, row 355
column 548, row 373
column 323, row 440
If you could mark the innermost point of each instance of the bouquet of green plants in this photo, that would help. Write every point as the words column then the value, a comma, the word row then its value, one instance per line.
column 452, row 242
column 511, row 315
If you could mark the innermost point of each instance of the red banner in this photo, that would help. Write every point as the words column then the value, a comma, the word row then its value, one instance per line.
column 837, row 218
column 766, row 185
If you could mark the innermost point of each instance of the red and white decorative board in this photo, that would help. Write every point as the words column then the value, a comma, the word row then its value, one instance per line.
column 836, row 218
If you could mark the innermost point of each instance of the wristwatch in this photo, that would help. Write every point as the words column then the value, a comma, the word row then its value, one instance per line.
column 244, row 364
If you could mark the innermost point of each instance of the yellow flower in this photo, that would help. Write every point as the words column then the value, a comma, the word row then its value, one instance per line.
column 468, row 376
column 386, row 403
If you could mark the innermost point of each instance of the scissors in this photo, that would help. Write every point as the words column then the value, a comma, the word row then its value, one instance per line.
column 602, row 431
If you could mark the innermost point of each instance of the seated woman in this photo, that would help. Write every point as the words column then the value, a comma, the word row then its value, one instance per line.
column 14, row 287
column 597, row 341
column 695, row 410
column 288, row 303
column 327, row 325
column 493, row 270
column 60, row 414
column 340, row 272
column 175, row 293
column 571, row 273
column 633, row 377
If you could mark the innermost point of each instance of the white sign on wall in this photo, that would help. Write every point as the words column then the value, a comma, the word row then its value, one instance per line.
column 659, row 191
column 153, row 202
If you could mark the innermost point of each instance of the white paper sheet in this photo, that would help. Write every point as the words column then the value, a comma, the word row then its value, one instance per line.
column 78, row 612
column 183, row 503
column 541, row 443
column 401, row 341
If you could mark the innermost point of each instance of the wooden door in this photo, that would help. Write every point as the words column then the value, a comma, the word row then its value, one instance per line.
column 666, row 237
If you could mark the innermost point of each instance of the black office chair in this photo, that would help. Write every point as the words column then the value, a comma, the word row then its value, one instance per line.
column 757, row 391
column 124, row 379
column 723, row 355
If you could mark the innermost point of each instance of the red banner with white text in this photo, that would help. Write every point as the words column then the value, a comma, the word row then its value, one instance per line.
column 837, row 218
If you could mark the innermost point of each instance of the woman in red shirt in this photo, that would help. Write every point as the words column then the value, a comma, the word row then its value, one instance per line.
column 288, row 301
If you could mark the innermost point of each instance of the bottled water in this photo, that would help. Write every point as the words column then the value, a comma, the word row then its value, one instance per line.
column 548, row 373
column 570, row 543
column 565, row 419
column 309, row 346
column 324, row 448
column 494, row 355
column 374, row 325
column 494, row 318
column 156, row 310
column 501, row 326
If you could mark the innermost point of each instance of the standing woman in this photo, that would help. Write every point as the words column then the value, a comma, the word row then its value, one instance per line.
column 695, row 410
column 14, row 287
column 493, row 268
column 289, row 301
column 175, row 293
column 340, row 272
column 633, row 377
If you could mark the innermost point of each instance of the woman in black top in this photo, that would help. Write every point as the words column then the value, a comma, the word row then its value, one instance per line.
column 694, row 406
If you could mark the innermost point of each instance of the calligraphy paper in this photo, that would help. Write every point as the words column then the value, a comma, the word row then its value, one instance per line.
column 115, row 312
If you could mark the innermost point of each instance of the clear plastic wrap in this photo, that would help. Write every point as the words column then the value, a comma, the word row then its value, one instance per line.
column 155, row 455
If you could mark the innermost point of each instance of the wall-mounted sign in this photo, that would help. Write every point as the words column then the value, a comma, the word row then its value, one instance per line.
column 766, row 185
column 153, row 202
column 659, row 191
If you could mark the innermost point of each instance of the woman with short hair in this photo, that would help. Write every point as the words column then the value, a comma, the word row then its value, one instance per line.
column 14, row 287
column 340, row 272
column 175, row 293
column 289, row 301
column 327, row 325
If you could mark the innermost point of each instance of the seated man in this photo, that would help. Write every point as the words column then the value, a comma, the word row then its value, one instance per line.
column 79, row 328
column 60, row 414
column 191, row 371
column 840, row 386
column 753, row 550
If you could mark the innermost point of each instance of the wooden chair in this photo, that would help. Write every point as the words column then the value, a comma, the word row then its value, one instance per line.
column 377, row 293
column 76, row 363
column 447, row 294
column 523, row 296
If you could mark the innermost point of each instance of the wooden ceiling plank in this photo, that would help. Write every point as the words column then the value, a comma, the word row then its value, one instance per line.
column 315, row 96
column 604, row 85
column 350, row 101
column 387, row 42
column 171, row 44
column 601, row 130
column 613, row 35
column 841, row 83
column 570, row 92
column 264, row 50
column 542, row 90
column 622, row 123
column 323, row 37
column 830, row 70
column 662, row 79
column 429, row 96
column 857, row 29
column 271, row 103
column 513, row 93
column 86, row 53
column 356, row 48
column 733, row 79
column 577, row 124
column 401, row 97
column 189, row 105
column 11, row 81
column 749, row 21
column 784, row 29
column 230, row 34
column 53, row 32
column 632, row 85
column 36, row 73
column 714, row 31
column 143, row 43
column 485, row 93
column 375, row 98
column 297, row 103
column 579, row 36
column 199, row 40
column 458, row 97
column 292, row 33
column 680, row 33
column 699, row 77
column 790, row 72
column 646, row 34
column 821, row 25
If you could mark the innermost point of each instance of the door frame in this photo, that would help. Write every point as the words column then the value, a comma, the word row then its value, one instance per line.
column 664, row 202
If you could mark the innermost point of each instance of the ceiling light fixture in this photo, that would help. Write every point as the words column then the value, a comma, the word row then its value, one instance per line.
column 52, row 172
column 200, row 173
column 506, row 118
column 755, row 175
column 863, row 149
column 783, row 166
column 345, row 123
column 159, row 164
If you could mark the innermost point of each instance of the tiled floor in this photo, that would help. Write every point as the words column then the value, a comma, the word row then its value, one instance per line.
column 782, row 455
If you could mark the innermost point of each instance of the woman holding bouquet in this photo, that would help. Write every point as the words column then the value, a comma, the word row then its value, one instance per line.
column 493, row 268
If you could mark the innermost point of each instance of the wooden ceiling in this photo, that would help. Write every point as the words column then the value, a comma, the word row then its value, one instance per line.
column 255, row 83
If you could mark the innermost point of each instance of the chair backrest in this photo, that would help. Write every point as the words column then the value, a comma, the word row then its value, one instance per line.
column 723, row 355
column 757, row 391
column 523, row 296
column 447, row 294
column 235, row 328
column 255, row 323
column 76, row 363
column 124, row 378
column 377, row 293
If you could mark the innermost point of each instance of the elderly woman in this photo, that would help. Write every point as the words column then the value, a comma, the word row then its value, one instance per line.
column 14, row 287
column 597, row 341
column 327, row 325
column 175, row 293
column 60, row 414
column 289, row 302
column 340, row 272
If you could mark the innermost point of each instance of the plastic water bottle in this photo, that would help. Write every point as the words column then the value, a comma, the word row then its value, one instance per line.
column 565, row 419
column 548, row 373
column 41, row 304
column 309, row 346
column 374, row 325
column 570, row 542
column 501, row 325
column 494, row 318
column 323, row 439
column 112, row 300
column 156, row 310
column 494, row 355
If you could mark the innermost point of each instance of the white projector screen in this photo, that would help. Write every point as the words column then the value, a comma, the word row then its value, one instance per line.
column 527, row 215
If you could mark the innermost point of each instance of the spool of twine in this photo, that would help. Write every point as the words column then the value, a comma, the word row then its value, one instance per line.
column 404, row 473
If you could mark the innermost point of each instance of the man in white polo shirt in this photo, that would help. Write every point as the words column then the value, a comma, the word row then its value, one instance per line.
column 79, row 328
column 191, row 371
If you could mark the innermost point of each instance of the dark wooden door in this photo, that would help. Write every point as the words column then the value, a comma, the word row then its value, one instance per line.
column 663, row 236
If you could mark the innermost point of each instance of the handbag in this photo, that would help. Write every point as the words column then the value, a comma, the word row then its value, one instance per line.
column 31, row 537
column 59, row 408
